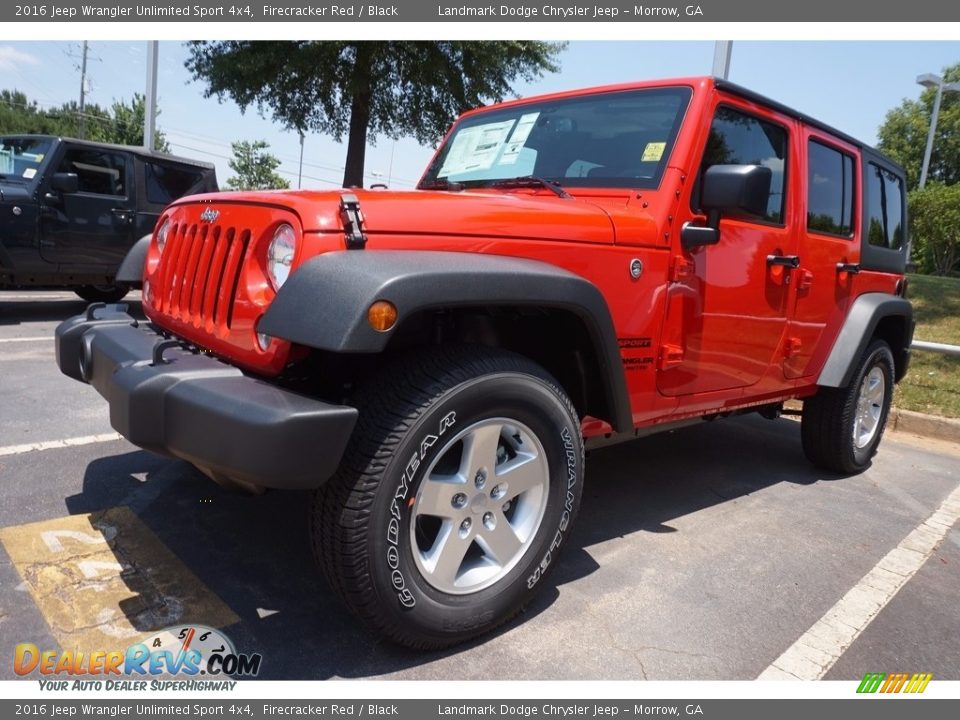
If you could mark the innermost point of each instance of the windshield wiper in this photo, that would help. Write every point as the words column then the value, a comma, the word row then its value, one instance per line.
column 532, row 181
column 441, row 184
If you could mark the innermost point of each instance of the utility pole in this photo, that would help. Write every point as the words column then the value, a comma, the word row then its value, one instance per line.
column 83, row 89
column 84, row 57
column 722, row 50
column 300, row 171
column 150, row 106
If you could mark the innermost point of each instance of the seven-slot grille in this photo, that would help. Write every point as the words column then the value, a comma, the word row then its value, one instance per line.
column 199, row 273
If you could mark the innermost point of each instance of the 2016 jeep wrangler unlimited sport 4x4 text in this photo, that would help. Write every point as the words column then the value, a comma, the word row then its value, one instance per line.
column 577, row 268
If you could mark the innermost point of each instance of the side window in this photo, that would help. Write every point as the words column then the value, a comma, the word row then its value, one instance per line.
column 740, row 139
column 829, row 190
column 166, row 183
column 884, row 208
column 99, row 172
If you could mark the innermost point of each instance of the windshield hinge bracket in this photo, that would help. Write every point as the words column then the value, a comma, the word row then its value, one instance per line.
column 352, row 218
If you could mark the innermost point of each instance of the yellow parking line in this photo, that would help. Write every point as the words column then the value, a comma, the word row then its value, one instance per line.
column 103, row 580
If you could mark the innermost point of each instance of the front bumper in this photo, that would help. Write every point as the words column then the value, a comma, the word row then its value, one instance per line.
column 172, row 401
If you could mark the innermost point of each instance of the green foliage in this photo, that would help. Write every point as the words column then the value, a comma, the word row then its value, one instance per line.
column 121, row 124
column 935, row 228
column 254, row 168
column 366, row 89
column 903, row 135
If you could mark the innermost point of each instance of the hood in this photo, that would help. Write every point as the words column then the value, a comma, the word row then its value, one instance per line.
column 490, row 214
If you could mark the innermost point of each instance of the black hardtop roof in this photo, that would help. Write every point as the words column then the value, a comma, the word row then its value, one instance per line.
column 135, row 149
column 756, row 97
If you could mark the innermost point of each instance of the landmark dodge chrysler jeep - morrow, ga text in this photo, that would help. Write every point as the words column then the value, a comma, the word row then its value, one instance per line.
column 572, row 269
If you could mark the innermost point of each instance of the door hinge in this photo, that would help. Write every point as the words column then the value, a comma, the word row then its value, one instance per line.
column 680, row 268
column 670, row 356
column 352, row 218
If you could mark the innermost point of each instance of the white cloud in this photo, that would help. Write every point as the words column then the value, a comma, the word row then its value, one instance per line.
column 11, row 58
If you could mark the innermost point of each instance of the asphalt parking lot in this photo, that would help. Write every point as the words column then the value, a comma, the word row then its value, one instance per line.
column 701, row 554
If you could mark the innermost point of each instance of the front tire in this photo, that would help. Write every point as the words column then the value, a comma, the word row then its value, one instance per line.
column 450, row 505
column 842, row 427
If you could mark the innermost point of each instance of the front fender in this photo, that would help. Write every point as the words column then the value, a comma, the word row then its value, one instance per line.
column 324, row 303
column 131, row 269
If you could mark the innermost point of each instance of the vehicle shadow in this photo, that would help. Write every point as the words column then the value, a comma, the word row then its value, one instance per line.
column 16, row 310
column 254, row 552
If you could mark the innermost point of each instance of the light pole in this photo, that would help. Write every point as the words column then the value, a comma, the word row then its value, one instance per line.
column 933, row 81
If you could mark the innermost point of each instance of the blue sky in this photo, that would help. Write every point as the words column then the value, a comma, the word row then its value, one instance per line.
column 850, row 85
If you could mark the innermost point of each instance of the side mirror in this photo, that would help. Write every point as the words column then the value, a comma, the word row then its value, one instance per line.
column 65, row 182
column 739, row 189
column 736, row 188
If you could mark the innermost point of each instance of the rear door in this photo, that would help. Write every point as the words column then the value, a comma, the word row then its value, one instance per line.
column 95, row 225
column 829, row 249
column 727, row 304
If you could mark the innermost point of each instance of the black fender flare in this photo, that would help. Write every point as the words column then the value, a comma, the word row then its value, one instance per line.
column 866, row 315
column 324, row 303
column 131, row 269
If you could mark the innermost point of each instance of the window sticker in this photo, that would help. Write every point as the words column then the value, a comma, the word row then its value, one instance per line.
column 520, row 134
column 653, row 152
column 30, row 173
column 475, row 148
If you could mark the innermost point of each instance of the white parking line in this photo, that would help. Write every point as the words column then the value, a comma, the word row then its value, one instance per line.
column 39, row 338
column 39, row 296
column 818, row 649
column 56, row 444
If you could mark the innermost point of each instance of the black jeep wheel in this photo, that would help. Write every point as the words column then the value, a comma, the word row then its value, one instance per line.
column 842, row 427
column 459, row 487
column 103, row 293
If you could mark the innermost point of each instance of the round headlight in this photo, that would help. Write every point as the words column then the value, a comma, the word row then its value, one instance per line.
column 162, row 235
column 280, row 255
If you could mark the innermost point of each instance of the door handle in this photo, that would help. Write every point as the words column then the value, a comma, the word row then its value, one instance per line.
column 789, row 261
column 123, row 214
column 852, row 268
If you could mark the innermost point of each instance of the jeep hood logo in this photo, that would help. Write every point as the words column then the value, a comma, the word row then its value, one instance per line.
column 209, row 215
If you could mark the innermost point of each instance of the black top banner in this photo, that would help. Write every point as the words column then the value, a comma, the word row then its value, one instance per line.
column 608, row 11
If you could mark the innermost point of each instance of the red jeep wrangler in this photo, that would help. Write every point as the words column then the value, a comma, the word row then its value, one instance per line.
column 573, row 269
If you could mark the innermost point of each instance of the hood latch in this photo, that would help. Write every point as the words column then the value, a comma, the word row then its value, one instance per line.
column 352, row 218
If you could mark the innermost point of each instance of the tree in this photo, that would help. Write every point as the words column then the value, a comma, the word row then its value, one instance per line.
column 903, row 135
column 254, row 167
column 365, row 89
column 127, row 124
column 121, row 124
column 935, row 227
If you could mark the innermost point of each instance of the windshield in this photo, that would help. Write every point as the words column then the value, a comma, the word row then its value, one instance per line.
column 614, row 139
column 22, row 157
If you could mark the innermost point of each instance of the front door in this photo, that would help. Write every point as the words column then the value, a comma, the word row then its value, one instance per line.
column 727, row 303
column 93, row 226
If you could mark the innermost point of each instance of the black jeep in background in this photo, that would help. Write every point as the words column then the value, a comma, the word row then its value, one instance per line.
column 70, row 209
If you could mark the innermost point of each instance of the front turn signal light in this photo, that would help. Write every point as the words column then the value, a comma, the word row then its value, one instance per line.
column 382, row 315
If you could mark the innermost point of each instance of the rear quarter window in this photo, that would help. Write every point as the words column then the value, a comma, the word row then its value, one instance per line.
column 884, row 208
column 166, row 183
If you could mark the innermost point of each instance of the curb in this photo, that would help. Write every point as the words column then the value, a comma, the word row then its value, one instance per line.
column 931, row 426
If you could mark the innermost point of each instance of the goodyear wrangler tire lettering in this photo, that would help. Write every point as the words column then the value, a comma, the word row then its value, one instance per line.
column 473, row 446
column 568, row 509
column 393, row 527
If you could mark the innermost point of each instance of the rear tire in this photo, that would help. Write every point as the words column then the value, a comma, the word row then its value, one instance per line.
column 461, row 482
column 842, row 427
column 103, row 293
